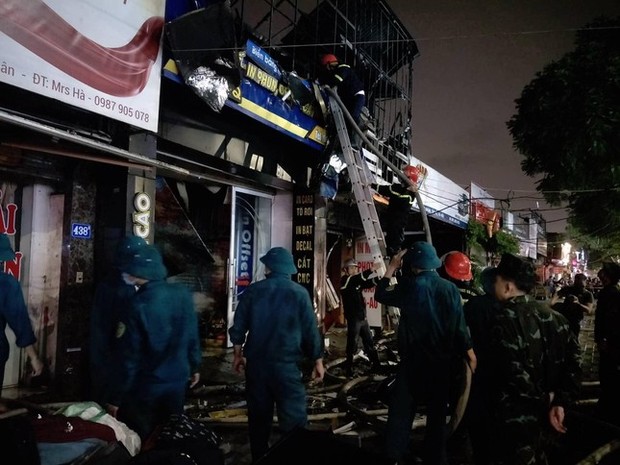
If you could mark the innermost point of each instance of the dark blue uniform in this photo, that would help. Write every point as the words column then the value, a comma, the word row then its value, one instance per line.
column 276, row 322
column 479, row 314
column 350, row 90
column 13, row 312
column 158, row 349
column 111, row 302
column 572, row 311
column 395, row 217
column 431, row 334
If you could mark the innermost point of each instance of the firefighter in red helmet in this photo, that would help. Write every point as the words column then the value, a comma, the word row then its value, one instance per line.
column 413, row 173
column 348, row 85
column 328, row 59
column 456, row 267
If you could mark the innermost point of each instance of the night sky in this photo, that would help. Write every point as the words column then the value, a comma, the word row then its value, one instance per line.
column 475, row 58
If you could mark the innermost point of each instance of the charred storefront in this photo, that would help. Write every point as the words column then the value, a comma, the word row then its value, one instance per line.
column 87, row 160
column 187, row 127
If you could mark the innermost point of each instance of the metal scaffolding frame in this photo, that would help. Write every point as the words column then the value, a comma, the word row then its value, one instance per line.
column 365, row 34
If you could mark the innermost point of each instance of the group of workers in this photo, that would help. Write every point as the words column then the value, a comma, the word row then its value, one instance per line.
column 144, row 346
column 524, row 357
column 145, row 350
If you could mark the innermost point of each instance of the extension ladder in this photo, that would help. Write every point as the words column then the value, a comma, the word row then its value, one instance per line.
column 360, row 183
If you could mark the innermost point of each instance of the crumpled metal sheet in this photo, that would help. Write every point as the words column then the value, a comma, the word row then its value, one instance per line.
column 211, row 87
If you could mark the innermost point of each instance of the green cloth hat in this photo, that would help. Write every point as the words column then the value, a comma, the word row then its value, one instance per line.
column 6, row 251
column 279, row 260
column 147, row 264
column 127, row 248
column 422, row 256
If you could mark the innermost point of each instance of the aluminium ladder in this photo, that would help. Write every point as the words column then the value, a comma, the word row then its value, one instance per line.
column 359, row 174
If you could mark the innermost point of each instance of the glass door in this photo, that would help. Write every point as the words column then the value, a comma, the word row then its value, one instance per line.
column 251, row 221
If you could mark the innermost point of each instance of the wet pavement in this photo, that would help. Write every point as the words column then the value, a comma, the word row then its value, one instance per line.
column 353, row 411
column 328, row 408
column 220, row 401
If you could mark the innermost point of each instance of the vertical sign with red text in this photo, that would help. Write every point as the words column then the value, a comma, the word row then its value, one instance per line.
column 8, row 216
column 303, row 239
column 363, row 255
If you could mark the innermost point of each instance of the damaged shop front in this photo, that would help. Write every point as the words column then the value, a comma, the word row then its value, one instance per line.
column 228, row 104
column 72, row 164
column 87, row 161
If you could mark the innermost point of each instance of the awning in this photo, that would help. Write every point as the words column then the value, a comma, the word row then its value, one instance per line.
column 188, row 163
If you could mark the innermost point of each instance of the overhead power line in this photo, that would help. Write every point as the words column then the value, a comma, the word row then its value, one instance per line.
column 417, row 39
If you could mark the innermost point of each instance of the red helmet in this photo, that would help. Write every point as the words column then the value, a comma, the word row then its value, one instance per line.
column 457, row 266
column 328, row 58
column 412, row 173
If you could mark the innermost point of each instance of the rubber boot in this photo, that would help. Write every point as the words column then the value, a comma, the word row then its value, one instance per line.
column 348, row 366
column 374, row 359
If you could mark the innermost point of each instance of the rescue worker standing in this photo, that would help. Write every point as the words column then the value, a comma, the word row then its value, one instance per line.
column 111, row 301
column 352, row 284
column 158, row 350
column 536, row 365
column 456, row 267
column 578, row 301
column 274, row 328
column 607, row 338
column 13, row 312
column 431, row 334
column 479, row 315
column 349, row 86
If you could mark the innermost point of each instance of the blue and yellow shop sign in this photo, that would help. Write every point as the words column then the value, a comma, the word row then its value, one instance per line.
column 281, row 100
column 264, row 95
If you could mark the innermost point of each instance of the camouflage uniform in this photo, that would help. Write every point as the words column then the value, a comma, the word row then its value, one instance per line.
column 607, row 337
column 536, row 364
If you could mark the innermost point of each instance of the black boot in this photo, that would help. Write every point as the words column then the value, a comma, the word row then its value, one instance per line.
column 348, row 366
column 374, row 359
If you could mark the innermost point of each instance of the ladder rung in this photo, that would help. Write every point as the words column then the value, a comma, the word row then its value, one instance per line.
column 361, row 178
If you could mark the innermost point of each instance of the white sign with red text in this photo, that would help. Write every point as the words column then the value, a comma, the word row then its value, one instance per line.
column 363, row 256
column 104, row 57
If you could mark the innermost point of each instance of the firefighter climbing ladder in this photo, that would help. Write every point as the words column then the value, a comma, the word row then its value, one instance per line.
column 336, row 102
column 360, row 184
